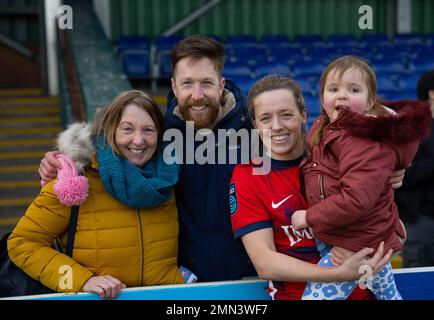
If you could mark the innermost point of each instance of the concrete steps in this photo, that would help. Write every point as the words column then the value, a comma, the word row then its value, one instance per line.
column 29, row 124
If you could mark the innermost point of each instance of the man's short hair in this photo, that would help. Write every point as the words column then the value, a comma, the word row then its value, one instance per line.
column 198, row 47
column 424, row 85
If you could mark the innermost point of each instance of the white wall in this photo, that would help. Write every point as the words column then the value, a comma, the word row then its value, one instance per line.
column 51, row 10
column 102, row 10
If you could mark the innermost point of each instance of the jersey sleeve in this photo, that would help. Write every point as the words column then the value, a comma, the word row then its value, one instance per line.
column 248, row 213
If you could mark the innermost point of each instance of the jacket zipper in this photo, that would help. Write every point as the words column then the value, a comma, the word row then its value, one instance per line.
column 141, row 244
column 321, row 187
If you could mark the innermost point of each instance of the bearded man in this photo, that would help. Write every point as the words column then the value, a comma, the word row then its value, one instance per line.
column 201, row 94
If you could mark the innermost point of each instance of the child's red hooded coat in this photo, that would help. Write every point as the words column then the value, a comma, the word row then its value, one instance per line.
column 346, row 176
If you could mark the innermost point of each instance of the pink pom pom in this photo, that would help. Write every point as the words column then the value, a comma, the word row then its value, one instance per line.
column 72, row 191
column 70, row 188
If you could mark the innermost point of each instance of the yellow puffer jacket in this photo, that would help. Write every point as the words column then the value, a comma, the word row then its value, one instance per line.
column 139, row 247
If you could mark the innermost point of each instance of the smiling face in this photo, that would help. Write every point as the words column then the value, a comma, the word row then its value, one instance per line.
column 280, row 123
column 348, row 89
column 136, row 135
column 198, row 88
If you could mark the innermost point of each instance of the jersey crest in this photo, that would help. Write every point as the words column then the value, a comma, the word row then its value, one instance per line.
column 233, row 203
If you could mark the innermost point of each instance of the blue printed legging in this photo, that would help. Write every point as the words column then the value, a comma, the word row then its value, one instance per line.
column 382, row 285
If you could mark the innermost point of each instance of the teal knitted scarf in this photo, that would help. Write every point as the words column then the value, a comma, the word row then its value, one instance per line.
column 144, row 187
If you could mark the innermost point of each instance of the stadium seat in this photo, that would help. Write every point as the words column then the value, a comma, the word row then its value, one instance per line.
column 288, row 55
column 309, row 40
column 245, row 83
column 313, row 105
column 167, row 43
column 429, row 39
column 133, row 43
column 385, row 84
column 165, row 64
column 233, row 41
column 408, row 82
column 265, row 69
column 237, row 70
column 251, row 56
column 369, row 40
column 408, row 38
column 421, row 64
column 305, row 85
column 388, row 67
column 338, row 40
column 313, row 68
column 272, row 41
column 136, row 65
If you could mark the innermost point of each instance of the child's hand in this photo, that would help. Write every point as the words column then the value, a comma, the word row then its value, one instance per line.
column 298, row 220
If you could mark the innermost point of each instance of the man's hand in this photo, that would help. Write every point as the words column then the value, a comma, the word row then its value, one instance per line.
column 107, row 287
column 298, row 220
column 49, row 167
column 396, row 178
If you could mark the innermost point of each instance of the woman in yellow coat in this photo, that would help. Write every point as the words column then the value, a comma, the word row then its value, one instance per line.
column 127, row 229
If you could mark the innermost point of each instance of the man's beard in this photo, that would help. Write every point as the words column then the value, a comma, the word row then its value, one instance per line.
column 201, row 120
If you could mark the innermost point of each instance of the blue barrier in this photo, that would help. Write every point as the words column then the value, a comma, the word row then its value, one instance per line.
column 413, row 283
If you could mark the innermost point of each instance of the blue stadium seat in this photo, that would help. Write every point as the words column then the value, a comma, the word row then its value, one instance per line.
column 369, row 39
column 403, row 95
column 386, row 84
column 388, row 67
column 264, row 69
column 421, row 64
column 237, row 70
column 309, row 40
column 165, row 64
column 251, row 56
column 277, row 40
column 306, row 86
column 136, row 65
column 133, row 43
column 167, row 43
column 338, row 40
column 286, row 54
column 387, row 95
column 245, row 83
column 313, row 105
column 429, row 39
column 311, row 68
column 408, row 38
column 408, row 82
column 242, row 40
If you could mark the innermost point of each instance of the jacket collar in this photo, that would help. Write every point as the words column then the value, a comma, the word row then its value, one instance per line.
column 411, row 121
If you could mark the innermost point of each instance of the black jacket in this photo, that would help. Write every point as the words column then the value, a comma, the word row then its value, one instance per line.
column 206, row 242
column 416, row 196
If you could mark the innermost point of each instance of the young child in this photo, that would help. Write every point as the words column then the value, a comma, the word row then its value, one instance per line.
column 352, row 150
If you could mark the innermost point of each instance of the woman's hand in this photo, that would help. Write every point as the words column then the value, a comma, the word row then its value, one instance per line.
column 48, row 167
column 402, row 240
column 396, row 178
column 298, row 220
column 350, row 270
column 107, row 287
column 340, row 255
